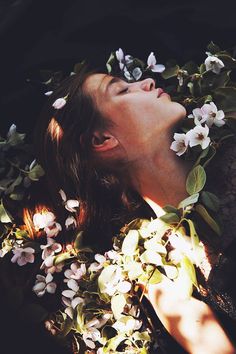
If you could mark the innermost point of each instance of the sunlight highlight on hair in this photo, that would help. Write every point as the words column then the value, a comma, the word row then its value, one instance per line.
column 55, row 130
column 28, row 220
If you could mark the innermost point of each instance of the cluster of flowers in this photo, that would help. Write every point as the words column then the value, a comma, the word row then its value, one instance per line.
column 98, row 293
column 126, row 61
column 208, row 115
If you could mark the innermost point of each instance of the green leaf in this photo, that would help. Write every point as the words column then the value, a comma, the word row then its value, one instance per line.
column 16, row 139
column 5, row 217
column 156, row 277
column 170, row 218
column 210, row 200
column 189, row 200
column 196, row 180
column 21, row 234
column 130, row 242
column 113, row 343
column 15, row 183
column 202, row 68
column 202, row 155
column 189, row 268
column 141, row 336
column 170, row 72
column 36, row 172
column 110, row 62
column 200, row 209
column 198, row 250
column 170, row 209
column 62, row 258
column 17, row 196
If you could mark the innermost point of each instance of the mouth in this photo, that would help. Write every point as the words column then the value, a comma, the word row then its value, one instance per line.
column 160, row 92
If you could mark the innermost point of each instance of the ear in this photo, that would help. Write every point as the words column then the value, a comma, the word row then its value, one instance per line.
column 103, row 141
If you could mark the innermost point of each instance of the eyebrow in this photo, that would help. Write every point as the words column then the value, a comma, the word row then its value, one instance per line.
column 113, row 81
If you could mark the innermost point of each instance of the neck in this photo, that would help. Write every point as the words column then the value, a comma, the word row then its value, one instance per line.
column 160, row 178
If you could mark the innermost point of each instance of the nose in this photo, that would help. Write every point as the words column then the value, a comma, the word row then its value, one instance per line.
column 147, row 84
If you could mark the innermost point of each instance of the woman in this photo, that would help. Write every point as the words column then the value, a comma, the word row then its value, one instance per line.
column 109, row 145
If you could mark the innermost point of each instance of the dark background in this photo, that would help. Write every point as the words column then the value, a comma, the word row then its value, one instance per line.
column 54, row 34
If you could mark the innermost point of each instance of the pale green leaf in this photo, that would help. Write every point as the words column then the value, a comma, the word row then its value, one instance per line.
column 5, row 216
column 170, row 72
column 196, row 180
column 170, row 218
column 192, row 199
column 156, row 277
column 36, row 172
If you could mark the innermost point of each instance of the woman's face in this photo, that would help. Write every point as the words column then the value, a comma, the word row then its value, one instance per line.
column 141, row 115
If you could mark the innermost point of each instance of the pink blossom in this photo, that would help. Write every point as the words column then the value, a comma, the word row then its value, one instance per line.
column 23, row 255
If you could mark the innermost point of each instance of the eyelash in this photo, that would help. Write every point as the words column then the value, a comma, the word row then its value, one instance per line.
column 125, row 90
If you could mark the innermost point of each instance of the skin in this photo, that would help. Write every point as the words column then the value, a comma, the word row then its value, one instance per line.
column 141, row 132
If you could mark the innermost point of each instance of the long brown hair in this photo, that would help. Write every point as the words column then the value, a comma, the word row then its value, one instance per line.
column 63, row 141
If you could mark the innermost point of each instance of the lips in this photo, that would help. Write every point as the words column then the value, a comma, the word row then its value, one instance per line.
column 159, row 92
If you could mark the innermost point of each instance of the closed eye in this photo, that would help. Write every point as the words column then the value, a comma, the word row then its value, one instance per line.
column 125, row 90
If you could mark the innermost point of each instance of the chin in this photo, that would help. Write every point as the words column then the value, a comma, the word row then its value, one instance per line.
column 180, row 111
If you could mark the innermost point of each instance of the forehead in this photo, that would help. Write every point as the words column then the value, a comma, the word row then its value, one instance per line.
column 96, row 84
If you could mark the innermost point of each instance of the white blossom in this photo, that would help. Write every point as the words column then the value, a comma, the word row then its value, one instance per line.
column 95, row 266
column 152, row 64
column 23, row 255
column 123, row 59
column 69, row 204
column 50, row 248
column 71, row 304
column 113, row 281
column 127, row 74
column 44, row 284
column 70, row 221
column 212, row 115
column 59, row 103
column 76, row 271
column 113, row 255
column 11, row 131
column 42, row 220
column 127, row 325
column 73, row 288
column 91, row 333
column 198, row 116
column 214, row 64
column 49, row 266
column 53, row 230
column 180, row 144
column 199, row 136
